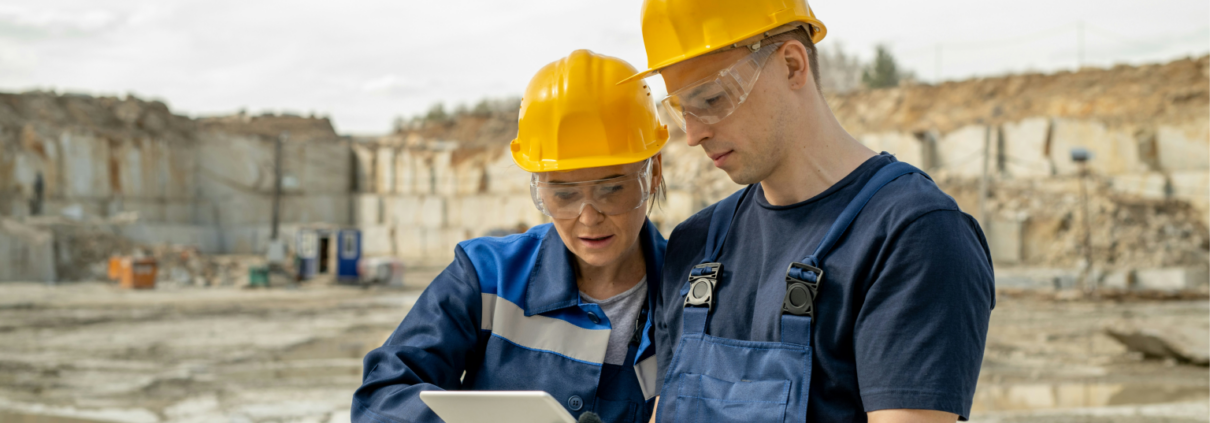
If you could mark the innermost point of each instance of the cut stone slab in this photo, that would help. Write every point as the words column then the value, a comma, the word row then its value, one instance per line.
column 1187, row 343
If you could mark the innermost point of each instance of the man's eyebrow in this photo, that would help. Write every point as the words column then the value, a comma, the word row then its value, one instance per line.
column 614, row 176
column 696, row 91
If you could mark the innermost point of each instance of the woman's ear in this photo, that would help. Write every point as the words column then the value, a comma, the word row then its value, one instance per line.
column 657, row 173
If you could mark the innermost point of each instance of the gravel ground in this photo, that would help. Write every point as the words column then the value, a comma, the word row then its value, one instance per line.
column 90, row 352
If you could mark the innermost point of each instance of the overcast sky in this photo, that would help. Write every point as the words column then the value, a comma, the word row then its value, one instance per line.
column 365, row 62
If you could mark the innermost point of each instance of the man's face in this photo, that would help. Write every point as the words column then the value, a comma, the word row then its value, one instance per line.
column 748, row 144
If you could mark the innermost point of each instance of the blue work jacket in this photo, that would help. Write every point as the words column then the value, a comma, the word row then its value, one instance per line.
column 507, row 315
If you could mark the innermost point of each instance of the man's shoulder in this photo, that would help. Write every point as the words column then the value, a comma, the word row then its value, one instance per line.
column 906, row 199
column 691, row 231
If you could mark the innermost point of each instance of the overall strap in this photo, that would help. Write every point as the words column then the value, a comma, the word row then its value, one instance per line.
column 803, row 278
column 703, row 278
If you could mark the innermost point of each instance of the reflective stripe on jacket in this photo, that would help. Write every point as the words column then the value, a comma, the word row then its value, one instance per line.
column 507, row 315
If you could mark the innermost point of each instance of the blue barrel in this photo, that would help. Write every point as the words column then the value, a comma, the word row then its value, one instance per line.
column 348, row 253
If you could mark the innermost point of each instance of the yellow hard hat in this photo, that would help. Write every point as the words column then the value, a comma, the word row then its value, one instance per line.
column 575, row 115
column 678, row 30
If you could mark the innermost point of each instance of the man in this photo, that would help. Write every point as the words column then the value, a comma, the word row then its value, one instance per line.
column 841, row 285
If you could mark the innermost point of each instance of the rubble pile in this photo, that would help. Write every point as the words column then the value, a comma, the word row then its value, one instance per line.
column 1127, row 232
column 489, row 123
column 1172, row 92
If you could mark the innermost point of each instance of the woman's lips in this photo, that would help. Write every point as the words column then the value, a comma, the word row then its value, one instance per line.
column 597, row 242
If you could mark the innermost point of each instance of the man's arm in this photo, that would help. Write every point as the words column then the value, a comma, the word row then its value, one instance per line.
column 921, row 331
column 911, row 416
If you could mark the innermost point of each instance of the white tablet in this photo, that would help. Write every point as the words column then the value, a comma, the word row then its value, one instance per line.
column 496, row 407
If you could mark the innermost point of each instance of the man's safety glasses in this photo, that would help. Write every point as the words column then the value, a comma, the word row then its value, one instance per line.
column 711, row 100
column 610, row 196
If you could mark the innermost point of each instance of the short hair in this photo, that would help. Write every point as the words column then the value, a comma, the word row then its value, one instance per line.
column 800, row 34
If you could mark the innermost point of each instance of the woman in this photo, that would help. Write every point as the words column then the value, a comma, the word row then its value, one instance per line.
column 563, row 307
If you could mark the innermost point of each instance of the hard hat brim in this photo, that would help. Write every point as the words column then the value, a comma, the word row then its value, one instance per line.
column 819, row 34
column 539, row 166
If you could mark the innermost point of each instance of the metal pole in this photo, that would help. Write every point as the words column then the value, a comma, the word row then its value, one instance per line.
column 1086, row 281
column 277, row 177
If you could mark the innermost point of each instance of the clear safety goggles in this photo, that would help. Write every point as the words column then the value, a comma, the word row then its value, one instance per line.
column 710, row 100
column 610, row 196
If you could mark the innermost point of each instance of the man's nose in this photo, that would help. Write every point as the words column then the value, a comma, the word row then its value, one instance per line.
column 696, row 132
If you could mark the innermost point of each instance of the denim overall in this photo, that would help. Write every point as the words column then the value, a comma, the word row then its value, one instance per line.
column 712, row 379
column 617, row 400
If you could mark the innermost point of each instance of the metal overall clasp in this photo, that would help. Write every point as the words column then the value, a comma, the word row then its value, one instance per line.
column 800, row 290
column 703, row 278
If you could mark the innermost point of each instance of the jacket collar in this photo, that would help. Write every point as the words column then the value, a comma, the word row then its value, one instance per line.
column 552, row 282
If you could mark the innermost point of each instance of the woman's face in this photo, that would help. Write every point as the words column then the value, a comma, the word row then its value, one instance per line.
column 599, row 239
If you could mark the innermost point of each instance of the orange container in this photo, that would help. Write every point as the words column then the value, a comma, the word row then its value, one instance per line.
column 138, row 273
column 115, row 268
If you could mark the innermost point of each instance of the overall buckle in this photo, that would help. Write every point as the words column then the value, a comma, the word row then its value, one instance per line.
column 801, row 293
column 703, row 278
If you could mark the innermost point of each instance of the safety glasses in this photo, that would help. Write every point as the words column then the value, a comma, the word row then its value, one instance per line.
column 712, row 99
column 611, row 196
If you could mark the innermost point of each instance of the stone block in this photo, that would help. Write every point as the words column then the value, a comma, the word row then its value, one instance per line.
column 1118, row 279
column 445, row 181
column 431, row 212
column 317, row 208
column 364, row 157
column 399, row 209
column 1186, row 342
column 1035, row 278
column 1004, row 241
column 26, row 253
column 1025, row 149
column 1171, row 278
column 1194, row 187
column 504, row 177
column 405, row 172
column 410, row 243
column 377, row 240
column 85, row 166
column 367, row 210
column 1151, row 185
column 960, row 153
column 1185, row 147
column 384, row 170
column 1113, row 152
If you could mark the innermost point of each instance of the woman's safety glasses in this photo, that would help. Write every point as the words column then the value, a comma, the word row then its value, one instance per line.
column 711, row 100
column 610, row 196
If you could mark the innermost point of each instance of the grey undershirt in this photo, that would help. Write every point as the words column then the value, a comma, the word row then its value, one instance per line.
column 622, row 310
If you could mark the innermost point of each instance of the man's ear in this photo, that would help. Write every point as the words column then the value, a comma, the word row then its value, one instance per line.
column 798, row 67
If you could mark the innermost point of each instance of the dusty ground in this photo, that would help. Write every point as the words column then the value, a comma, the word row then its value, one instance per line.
column 90, row 352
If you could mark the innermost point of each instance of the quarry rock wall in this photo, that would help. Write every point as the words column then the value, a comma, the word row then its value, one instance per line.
column 415, row 193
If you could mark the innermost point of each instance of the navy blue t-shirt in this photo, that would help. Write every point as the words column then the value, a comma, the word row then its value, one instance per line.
column 902, row 311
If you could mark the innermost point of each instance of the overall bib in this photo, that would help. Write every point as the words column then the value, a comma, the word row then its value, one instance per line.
column 713, row 379
column 617, row 400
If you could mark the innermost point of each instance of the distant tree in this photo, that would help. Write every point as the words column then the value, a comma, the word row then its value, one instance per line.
column 437, row 114
column 883, row 73
column 839, row 72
